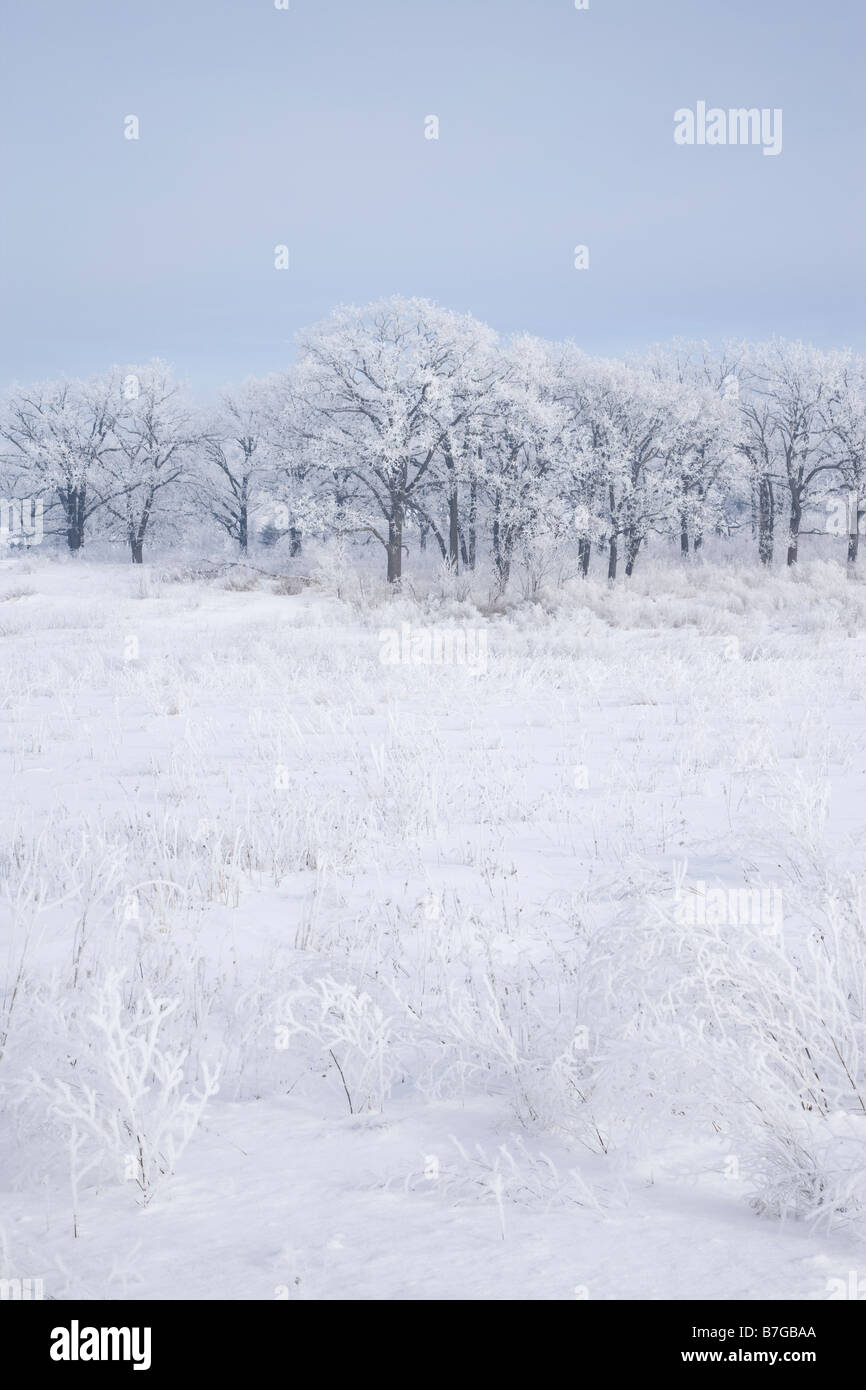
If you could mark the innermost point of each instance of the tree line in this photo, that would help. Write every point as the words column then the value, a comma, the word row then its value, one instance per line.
column 403, row 420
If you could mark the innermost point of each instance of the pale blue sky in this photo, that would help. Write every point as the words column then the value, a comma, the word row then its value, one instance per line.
column 306, row 127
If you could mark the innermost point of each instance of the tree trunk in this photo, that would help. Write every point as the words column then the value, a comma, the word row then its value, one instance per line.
column 74, row 500
column 294, row 542
column 684, row 523
column 584, row 548
column 503, row 542
column 853, row 526
column 137, row 533
column 395, row 545
column 765, row 520
column 612, row 558
column 473, row 516
column 243, row 528
column 632, row 548
column 453, row 513
column 794, row 527
column 453, row 527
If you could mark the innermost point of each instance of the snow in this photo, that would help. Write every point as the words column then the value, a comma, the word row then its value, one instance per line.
column 414, row 871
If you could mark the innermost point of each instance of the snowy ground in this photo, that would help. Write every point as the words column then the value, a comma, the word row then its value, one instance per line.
column 436, row 894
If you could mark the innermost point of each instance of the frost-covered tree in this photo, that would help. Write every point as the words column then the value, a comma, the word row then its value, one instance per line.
column 382, row 382
column 471, row 370
column 307, row 492
column 701, row 461
column 785, row 435
column 629, row 429
column 844, row 414
column 527, row 451
column 236, row 457
column 56, row 435
column 153, row 434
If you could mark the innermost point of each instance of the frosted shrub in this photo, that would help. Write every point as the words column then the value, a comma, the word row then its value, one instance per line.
column 516, row 1024
column 762, row 1036
column 348, row 1027
column 129, row 1109
column 513, row 1175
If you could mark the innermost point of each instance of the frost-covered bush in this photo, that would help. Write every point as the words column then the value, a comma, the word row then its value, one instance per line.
column 757, row 1034
column 130, row 1092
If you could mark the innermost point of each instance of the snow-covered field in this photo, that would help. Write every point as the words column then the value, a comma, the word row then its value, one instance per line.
column 534, row 973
